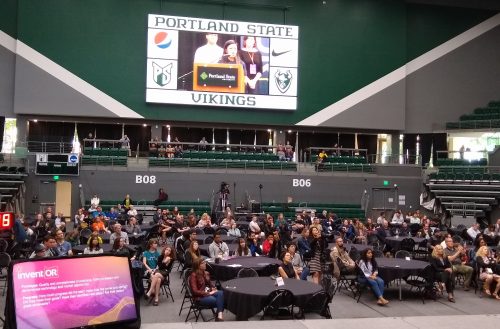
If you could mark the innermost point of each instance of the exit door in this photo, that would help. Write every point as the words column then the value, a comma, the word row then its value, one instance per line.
column 384, row 198
column 63, row 198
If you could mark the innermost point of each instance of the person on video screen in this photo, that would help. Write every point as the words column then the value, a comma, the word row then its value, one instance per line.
column 211, row 52
column 252, row 59
column 231, row 56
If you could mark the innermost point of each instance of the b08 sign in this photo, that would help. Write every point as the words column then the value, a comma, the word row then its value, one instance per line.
column 146, row 179
column 300, row 182
column 6, row 220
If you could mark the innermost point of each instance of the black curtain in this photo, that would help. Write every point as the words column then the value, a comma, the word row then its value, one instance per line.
column 43, row 131
column 2, row 127
column 138, row 135
column 368, row 142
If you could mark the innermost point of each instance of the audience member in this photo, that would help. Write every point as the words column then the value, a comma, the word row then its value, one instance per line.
column 203, row 290
column 454, row 253
column 132, row 227
column 342, row 262
column 218, row 248
column 192, row 253
column 318, row 247
column 369, row 269
column 473, row 231
column 118, row 233
column 242, row 249
column 286, row 269
column 94, row 247
column 254, row 244
column 487, row 267
column 120, row 248
column 63, row 246
column 150, row 260
column 443, row 271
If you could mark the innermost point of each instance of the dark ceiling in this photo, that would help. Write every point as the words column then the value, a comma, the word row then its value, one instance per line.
column 477, row 4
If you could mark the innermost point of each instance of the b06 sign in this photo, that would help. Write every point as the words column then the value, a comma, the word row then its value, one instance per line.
column 300, row 182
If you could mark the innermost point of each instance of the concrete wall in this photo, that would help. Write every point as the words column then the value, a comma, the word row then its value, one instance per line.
column 192, row 186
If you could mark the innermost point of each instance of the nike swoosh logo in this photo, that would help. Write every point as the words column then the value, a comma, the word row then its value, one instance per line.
column 276, row 54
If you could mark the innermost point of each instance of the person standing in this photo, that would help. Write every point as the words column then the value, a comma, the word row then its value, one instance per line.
column 252, row 59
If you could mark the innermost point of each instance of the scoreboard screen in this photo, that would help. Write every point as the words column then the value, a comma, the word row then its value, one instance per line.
column 57, row 164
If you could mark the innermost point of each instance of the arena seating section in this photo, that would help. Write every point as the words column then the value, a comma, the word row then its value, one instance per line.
column 466, row 188
column 220, row 159
column 482, row 118
column 184, row 206
column 343, row 163
column 104, row 157
column 290, row 210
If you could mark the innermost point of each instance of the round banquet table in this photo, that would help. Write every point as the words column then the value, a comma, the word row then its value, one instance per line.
column 390, row 269
column 246, row 297
column 228, row 269
column 395, row 243
column 224, row 237
column 232, row 249
column 105, row 247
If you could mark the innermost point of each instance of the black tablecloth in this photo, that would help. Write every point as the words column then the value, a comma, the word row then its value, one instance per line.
column 105, row 247
column 225, row 238
column 390, row 269
column 232, row 249
column 228, row 269
column 246, row 297
column 395, row 243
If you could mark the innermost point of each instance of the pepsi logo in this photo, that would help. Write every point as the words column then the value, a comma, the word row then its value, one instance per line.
column 163, row 40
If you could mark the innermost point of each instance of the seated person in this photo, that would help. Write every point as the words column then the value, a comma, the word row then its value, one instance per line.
column 253, row 226
column 94, row 247
column 192, row 253
column 63, row 246
column 243, row 249
column 132, row 211
column 180, row 225
column 398, row 218
column 117, row 234
column 369, row 276
column 347, row 230
column 95, row 234
column 120, row 248
column 218, row 248
column 150, row 260
column 383, row 231
column 99, row 225
column 487, row 266
column 280, row 152
column 203, row 290
column 455, row 253
column 302, row 271
column 473, row 231
column 227, row 222
column 286, row 269
column 443, row 271
column 404, row 230
column 132, row 227
column 234, row 231
column 170, row 151
column 267, row 245
column 49, row 246
column 254, row 244
column 435, row 239
column 339, row 255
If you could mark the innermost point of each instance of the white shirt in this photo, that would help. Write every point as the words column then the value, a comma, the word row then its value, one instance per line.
column 95, row 201
column 208, row 54
column 473, row 232
column 132, row 212
column 397, row 219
